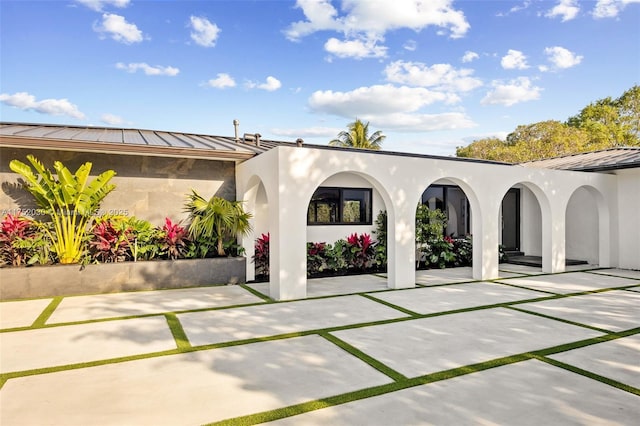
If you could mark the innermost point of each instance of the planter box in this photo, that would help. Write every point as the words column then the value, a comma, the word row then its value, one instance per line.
column 69, row 280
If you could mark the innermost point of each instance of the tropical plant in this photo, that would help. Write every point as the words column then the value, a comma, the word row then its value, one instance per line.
column 261, row 255
column 338, row 255
column 463, row 250
column 12, row 229
column 110, row 239
column 216, row 219
column 381, row 236
column 147, row 239
column 174, row 240
column 358, row 137
column 68, row 199
column 360, row 251
column 316, row 258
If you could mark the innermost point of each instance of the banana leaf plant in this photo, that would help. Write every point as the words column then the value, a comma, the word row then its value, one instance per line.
column 216, row 219
column 69, row 199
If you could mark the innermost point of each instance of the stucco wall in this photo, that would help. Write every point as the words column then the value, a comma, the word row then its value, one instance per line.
column 150, row 188
column 530, row 223
column 332, row 233
column 629, row 223
column 582, row 227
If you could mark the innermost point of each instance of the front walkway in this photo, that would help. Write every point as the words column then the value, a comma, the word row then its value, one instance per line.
column 529, row 348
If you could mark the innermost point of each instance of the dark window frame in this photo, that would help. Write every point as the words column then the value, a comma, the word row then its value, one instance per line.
column 341, row 190
column 445, row 200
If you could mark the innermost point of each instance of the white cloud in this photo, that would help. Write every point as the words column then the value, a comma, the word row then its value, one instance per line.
column 567, row 9
column 98, row 5
column 119, row 29
column 308, row 132
column 439, row 76
column 357, row 49
column 469, row 56
column 410, row 45
column 514, row 59
column 511, row 93
column 561, row 58
column 366, row 22
column 610, row 8
column 514, row 9
column 222, row 81
column 112, row 119
column 270, row 85
column 204, row 33
column 148, row 69
column 28, row 102
column 403, row 122
column 376, row 100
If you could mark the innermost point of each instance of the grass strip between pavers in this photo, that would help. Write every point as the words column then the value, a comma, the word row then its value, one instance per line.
column 48, row 311
column 391, row 305
column 402, row 384
column 566, row 321
column 256, row 293
column 179, row 335
column 383, row 368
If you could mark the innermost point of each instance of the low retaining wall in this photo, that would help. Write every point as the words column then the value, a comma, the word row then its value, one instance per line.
column 70, row 280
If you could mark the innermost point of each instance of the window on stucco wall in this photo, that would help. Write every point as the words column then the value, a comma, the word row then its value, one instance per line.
column 340, row 206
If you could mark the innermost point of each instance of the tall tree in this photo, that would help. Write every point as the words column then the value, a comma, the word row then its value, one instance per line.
column 488, row 149
column 358, row 137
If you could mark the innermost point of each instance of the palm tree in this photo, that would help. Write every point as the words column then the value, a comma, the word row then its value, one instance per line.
column 216, row 219
column 358, row 137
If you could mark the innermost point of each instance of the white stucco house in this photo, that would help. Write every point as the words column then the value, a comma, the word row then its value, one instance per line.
column 583, row 206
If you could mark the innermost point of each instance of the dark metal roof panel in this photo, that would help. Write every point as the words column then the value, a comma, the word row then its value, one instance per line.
column 607, row 159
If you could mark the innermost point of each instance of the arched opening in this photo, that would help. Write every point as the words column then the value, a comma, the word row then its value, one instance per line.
column 586, row 225
column 521, row 228
column 256, row 242
column 344, row 218
column 447, row 216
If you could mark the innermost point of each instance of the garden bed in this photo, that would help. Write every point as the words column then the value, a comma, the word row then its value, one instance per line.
column 70, row 280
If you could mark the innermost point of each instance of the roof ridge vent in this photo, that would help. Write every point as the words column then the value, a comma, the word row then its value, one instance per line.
column 252, row 138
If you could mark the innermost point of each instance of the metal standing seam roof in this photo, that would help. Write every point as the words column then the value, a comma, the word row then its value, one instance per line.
column 604, row 160
column 120, row 140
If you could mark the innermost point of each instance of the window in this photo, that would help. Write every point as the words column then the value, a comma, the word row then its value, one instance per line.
column 453, row 201
column 340, row 206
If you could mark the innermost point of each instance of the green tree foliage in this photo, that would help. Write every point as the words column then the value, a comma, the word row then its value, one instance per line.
column 358, row 137
column 69, row 199
column 603, row 124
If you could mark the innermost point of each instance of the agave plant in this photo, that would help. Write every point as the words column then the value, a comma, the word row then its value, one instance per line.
column 69, row 199
column 217, row 219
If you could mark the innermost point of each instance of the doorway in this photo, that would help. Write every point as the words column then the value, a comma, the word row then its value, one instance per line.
column 511, row 220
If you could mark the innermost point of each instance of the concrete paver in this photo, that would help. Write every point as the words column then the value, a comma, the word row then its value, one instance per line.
column 268, row 320
column 523, row 269
column 21, row 313
column 457, row 296
column 188, row 389
column 54, row 346
column 617, row 359
column 614, row 310
column 637, row 289
column 527, row 393
column 618, row 272
column 570, row 282
column 423, row 346
column 85, row 308
column 333, row 286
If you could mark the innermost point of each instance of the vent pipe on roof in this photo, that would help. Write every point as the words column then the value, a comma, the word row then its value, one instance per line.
column 236, row 123
column 258, row 135
column 299, row 142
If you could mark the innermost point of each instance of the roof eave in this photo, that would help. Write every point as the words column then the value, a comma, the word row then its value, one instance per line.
column 118, row 148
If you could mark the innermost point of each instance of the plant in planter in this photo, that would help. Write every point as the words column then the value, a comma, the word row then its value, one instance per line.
column 360, row 251
column 217, row 220
column 316, row 258
column 261, row 256
column 23, row 241
column 111, row 240
column 174, row 240
column 381, row 235
column 69, row 199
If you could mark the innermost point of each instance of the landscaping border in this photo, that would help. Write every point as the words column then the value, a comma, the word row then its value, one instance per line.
column 72, row 280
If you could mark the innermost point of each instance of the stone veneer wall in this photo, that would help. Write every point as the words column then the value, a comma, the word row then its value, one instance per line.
column 150, row 188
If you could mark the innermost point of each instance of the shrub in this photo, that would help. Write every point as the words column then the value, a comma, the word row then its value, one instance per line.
column 317, row 255
column 463, row 250
column 69, row 200
column 174, row 240
column 360, row 251
column 23, row 241
column 381, row 235
column 110, row 239
column 261, row 255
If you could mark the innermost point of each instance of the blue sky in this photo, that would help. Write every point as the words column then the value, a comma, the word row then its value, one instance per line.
column 431, row 75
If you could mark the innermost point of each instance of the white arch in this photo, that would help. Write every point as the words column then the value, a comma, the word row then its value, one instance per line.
column 604, row 220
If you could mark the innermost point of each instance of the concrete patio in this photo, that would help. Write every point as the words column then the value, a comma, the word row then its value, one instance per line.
column 527, row 348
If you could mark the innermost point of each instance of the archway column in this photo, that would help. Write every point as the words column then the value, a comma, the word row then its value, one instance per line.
column 553, row 238
column 486, row 239
column 401, row 248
